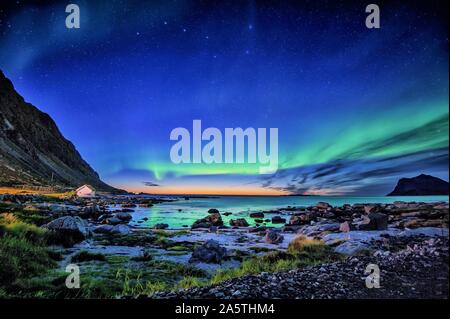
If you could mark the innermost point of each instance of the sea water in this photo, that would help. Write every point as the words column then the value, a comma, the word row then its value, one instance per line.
column 182, row 213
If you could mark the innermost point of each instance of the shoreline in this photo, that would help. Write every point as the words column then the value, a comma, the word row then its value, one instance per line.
column 99, row 235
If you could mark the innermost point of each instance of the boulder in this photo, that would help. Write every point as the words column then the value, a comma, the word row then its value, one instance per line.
column 323, row 205
column 240, row 222
column 209, row 252
column 298, row 219
column 161, row 226
column 278, row 220
column 112, row 230
column 273, row 237
column 123, row 216
column 257, row 229
column 113, row 221
column 376, row 221
column 351, row 247
column 126, row 210
column 291, row 228
column 67, row 230
column 213, row 219
column 257, row 215
column 213, row 211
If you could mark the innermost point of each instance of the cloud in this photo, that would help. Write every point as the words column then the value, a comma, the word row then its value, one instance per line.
column 359, row 177
column 150, row 184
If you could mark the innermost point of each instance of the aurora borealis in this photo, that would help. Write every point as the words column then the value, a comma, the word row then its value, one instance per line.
column 356, row 109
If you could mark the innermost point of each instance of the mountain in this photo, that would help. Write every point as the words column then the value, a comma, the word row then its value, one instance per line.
column 33, row 152
column 420, row 185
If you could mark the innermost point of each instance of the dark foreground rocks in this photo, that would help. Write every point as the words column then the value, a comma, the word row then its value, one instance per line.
column 411, row 268
column 67, row 230
column 209, row 252
column 213, row 219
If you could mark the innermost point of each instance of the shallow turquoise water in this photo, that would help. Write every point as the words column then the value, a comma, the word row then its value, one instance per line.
column 184, row 212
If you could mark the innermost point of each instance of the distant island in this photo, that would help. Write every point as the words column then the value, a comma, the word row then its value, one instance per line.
column 420, row 186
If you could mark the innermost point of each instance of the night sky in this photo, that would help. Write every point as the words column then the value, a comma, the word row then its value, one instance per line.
column 356, row 108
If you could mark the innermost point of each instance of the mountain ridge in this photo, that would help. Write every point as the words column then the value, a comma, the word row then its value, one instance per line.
column 420, row 185
column 33, row 151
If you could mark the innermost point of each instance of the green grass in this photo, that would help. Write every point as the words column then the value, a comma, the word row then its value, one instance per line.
column 298, row 256
column 178, row 248
column 23, row 253
column 11, row 225
column 188, row 282
column 257, row 249
column 21, row 259
column 34, row 217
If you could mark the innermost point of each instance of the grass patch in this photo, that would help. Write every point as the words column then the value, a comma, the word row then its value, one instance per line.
column 303, row 252
column 303, row 244
column 257, row 249
column 178, row 248
column 22, row 259
column 188, row 282
column 34, row 217
column 117, row 259
column 11, row 225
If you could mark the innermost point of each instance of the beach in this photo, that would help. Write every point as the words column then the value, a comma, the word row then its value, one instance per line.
column 153, row 246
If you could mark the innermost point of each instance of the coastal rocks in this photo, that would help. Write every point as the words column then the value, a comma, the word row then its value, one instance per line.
column 256, row 215
column 298, row 219
column 257, row 229
column 113, row 221
column 213, row 219
column 278, row 220
column 376, row 221
column 351, row 247
column 213, row 211
column 126, row 210
column 418, row 272
column 273, row 237
column 323, row 205
column 227, row 214
column 67, row 230
column 209, row 252
column 161, row 226
column 419, row 222
column 240, row 222
column 355, row 241
column 112, row 230
column 124, row 217
column 90, row 211
column 319, row 229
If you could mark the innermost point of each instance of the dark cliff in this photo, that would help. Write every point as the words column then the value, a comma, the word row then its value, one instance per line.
column 420, row 185
column 32, row 149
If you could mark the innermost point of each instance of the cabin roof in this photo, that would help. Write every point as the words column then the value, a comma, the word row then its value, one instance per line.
column 85, row 185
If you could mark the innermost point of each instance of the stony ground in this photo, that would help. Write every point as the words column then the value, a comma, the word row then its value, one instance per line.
column 417, row 268
column 408, row 241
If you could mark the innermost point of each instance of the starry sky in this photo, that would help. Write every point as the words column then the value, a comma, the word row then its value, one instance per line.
column 356, row 108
